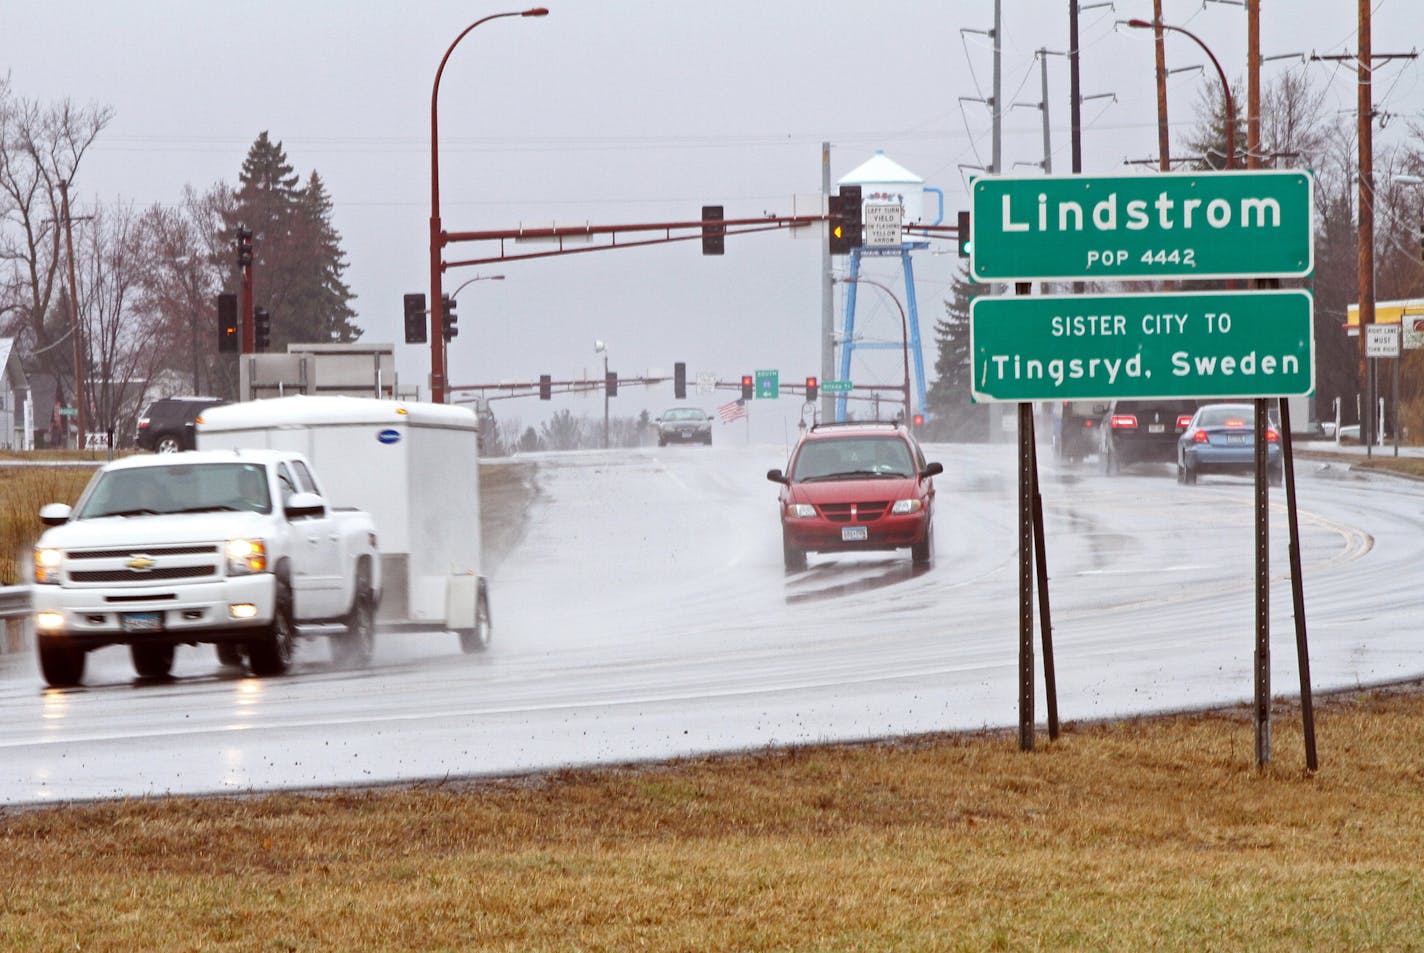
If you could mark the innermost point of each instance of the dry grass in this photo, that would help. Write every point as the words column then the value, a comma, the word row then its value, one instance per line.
column 22, row 492
column 1153, row 834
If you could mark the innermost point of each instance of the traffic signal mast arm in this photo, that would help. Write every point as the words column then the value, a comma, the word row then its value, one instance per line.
column 558, row 234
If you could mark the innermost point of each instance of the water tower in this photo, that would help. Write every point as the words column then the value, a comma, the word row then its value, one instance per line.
column 890, row 193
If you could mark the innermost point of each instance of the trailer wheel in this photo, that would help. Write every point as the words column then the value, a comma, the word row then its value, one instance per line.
column 352, row 648
column 61, row 664
column 478, row 639
column 272, row 654
column 150, row 660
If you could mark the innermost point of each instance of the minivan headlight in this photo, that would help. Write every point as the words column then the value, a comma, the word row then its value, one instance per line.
column 801, row 511
column 903, row 507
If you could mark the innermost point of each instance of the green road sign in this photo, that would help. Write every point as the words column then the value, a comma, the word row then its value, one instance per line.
column 1182, row 344
column 69, row 411
column 835, row 387
column 1167, row 225
column 768, row 384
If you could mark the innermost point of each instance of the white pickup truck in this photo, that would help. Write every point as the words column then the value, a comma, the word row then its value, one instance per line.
column 235, row 548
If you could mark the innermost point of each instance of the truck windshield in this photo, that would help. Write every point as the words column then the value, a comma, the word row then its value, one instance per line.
column 183, row 488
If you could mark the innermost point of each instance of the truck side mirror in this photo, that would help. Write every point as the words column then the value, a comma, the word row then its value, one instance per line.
column 302, row 505
column 55, row 514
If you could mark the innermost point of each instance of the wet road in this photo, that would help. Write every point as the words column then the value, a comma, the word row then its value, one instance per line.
column 646, row 614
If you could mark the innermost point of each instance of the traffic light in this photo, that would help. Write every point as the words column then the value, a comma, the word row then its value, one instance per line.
column 843, row 227
column 244, row 246
column 228, row 338
column 610, row 383
column 713, row 240
column 546, row 387
column 415, row 319
column 679, row 381
column 261, row 330
column 919, row 421
column 965, row 245
column 447, row 305
column 748, row 387
column 813, row 388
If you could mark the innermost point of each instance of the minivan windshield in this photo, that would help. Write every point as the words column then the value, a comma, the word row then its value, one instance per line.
column 853, row 457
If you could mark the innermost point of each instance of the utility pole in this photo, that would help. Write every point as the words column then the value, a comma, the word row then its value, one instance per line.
column 77, row 332
column 996, row 104
column 1075, row 110
column 828, row 307
column 1043, row 104
column 1366, row 260
column 1164, row 138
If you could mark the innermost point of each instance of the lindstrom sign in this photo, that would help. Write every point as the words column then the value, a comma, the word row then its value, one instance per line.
column 1138, row 346
column 1168, row 225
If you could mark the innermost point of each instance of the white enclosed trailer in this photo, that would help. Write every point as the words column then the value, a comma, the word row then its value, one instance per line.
column 414, row 467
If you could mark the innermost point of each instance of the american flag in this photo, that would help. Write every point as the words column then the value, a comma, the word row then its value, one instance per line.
column 735, row 410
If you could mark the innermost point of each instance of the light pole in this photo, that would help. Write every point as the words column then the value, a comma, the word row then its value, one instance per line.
column 438, row 384
column 904, row 333
column 600, row 348
column 454, row 296
column 1225, row 86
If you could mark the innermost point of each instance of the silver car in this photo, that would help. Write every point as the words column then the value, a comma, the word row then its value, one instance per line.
column 684, row 425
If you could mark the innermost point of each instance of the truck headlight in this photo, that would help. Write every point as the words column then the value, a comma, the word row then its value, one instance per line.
column 246, row 556
column 902, row 507
column 47, row 564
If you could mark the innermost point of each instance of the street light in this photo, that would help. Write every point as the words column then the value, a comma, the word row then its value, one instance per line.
column 456, row 293
column 437, row 235
column 904, row 332
column 1225, row 86
column 600, row 348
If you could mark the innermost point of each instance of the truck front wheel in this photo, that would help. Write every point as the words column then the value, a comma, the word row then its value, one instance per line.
column 271, row 654
column 62, row 665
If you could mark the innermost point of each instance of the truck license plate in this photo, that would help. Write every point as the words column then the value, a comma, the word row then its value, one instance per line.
column 141, row 622
column 854, row 533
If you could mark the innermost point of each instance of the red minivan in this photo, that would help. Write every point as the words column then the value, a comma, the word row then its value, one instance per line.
column 854, row 487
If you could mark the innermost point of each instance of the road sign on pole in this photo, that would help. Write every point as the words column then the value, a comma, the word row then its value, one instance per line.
column 882, row 224
column 835, row 387
column 1180, row 344
column 768, row 384
column 1168, row 225
column 1381, row 340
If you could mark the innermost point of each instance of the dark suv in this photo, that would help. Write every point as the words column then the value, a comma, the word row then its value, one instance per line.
column 1143, row 431
column 169, row 424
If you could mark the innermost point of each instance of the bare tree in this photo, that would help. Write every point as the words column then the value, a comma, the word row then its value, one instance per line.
column 40, row 147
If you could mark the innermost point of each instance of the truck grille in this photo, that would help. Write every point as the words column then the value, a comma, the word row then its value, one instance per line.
column 135, row 566
column 134, row 575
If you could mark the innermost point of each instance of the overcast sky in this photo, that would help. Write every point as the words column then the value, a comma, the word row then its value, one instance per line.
column 627, row 111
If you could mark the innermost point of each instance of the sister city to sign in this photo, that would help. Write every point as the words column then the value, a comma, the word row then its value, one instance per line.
column 1182, row 344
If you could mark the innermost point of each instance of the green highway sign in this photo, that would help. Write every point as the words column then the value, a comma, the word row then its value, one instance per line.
column 1179, row 344
column 835, row 387
column 69, row 411
column 768, row 384
column 1166, row 225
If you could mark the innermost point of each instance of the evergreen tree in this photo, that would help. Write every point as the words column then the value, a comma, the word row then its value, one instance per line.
column 297, row 258
column 1208, row 138
column 952, row 415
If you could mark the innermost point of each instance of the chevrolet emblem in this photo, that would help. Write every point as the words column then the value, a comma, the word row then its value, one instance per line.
column 141, row 562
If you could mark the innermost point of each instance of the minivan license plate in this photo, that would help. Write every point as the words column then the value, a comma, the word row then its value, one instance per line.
column 141, row 622
column 854, row 533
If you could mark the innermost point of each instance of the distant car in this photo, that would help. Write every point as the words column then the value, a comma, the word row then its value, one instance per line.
column 1221, row 438
column 856, row 487
column 169, row 424
column 1075, row 428
column 684, row 425
column 1143, row 431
